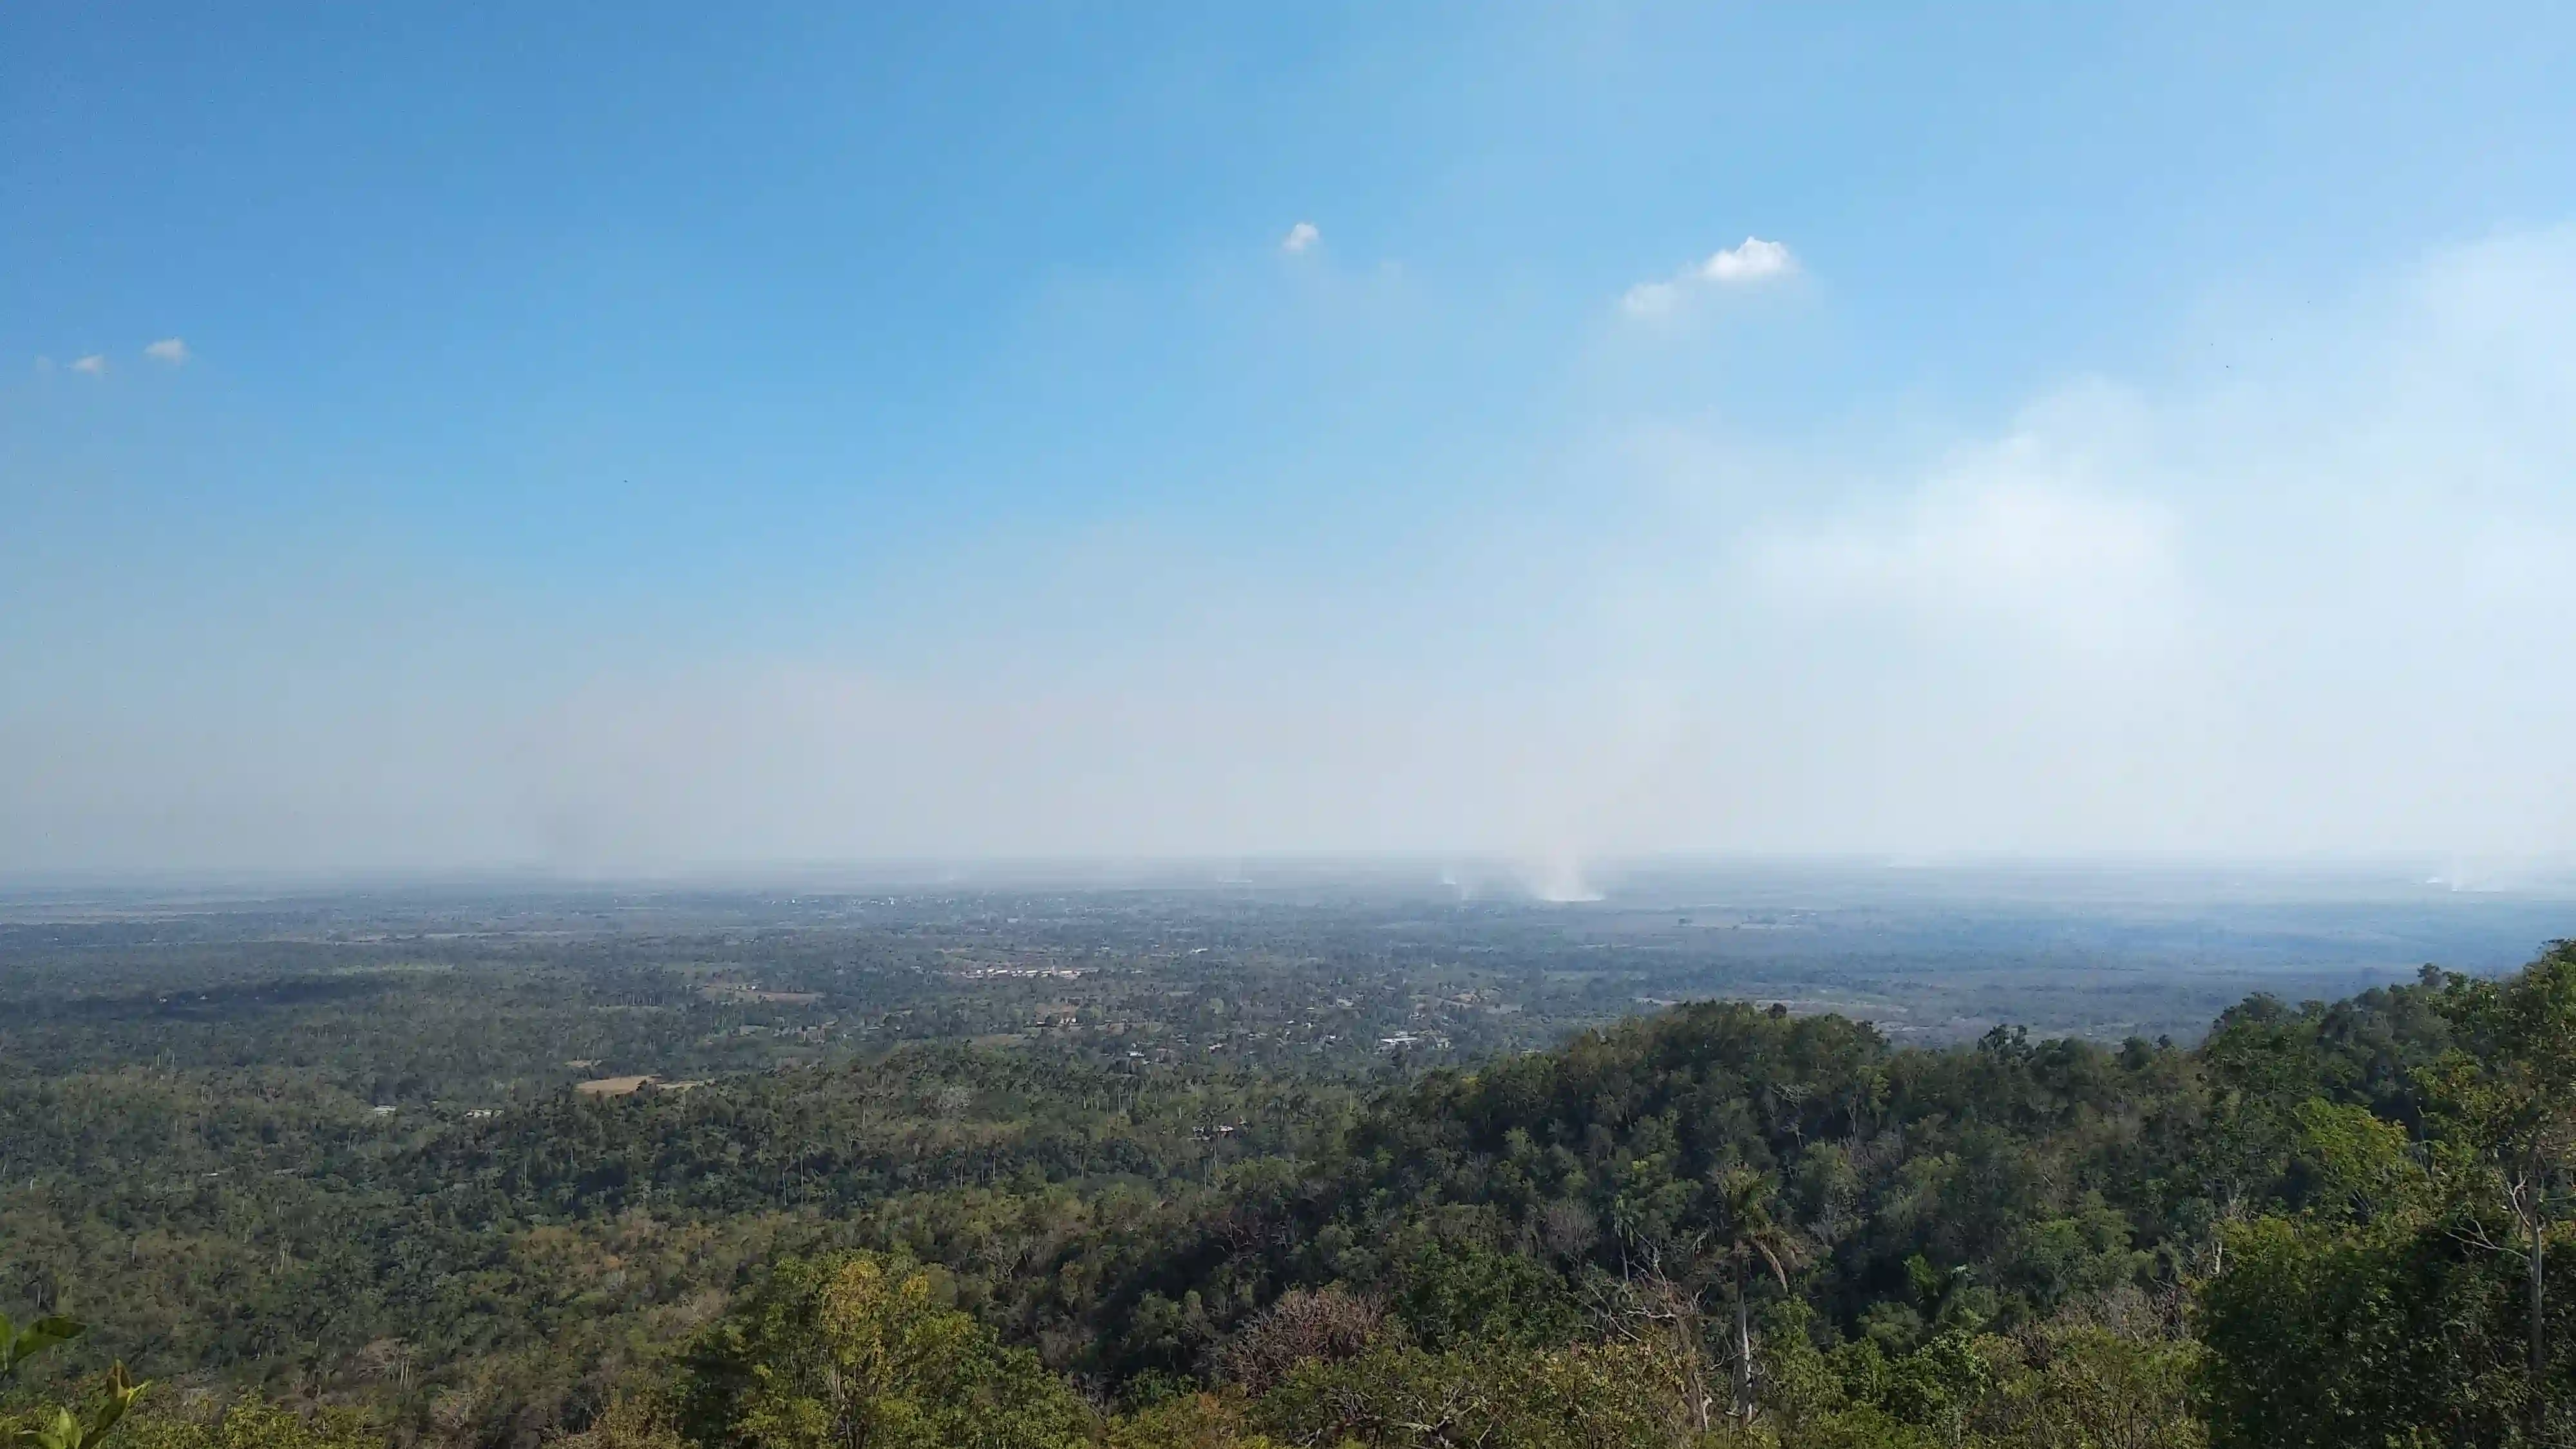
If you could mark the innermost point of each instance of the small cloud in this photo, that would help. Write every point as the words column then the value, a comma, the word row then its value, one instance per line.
column 44, row 364
column 1300, row 237
column 1751, row 262
column 94, row 364
column 1754, row 262
column 169, row 349
column 1650, row 299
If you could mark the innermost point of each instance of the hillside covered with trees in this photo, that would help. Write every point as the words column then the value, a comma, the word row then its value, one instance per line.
column 2323, row 1224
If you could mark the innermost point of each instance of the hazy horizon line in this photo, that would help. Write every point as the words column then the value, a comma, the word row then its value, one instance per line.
column 1485, row 870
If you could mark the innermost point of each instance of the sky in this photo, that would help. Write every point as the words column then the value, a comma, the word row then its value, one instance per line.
column 643, row 437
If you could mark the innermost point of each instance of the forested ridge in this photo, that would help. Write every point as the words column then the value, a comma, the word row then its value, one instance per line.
column 2323, row 1224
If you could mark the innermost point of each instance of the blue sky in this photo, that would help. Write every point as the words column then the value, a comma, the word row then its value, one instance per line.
column 647, row 435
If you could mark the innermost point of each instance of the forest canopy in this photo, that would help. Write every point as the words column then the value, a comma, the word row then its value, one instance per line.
column 2323, row 1224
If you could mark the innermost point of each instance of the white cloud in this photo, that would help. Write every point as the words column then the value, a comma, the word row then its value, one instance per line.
column 94, row 365
column 2294, row 601
column 2087, row 567
column 169, row 349
column 1301, row 236
column 1651, row 299
column 1755, row 262
column 2026, row 533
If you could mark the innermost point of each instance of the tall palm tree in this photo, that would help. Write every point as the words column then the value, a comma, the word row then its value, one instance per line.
column 1750, row 1239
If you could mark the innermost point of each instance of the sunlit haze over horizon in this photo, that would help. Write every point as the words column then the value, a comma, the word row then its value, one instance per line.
column 653, row 438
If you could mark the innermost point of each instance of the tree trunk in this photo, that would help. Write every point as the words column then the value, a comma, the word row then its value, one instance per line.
column 2539, row 1265
column 2526, row 1194
column 1743, row 1351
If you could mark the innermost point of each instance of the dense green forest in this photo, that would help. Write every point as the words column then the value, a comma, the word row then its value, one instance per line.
column 2322, row 1224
